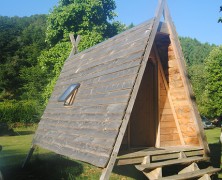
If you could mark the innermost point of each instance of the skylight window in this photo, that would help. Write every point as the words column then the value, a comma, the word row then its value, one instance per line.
column 68, row 96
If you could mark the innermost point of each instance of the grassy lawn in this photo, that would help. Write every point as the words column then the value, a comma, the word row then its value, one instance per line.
column 47, row 165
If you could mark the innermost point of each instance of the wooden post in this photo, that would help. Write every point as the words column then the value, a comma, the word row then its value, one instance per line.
column 190, row 168
column 29, row 155
column 205, row 177
column 75, row 43
column 153, row 174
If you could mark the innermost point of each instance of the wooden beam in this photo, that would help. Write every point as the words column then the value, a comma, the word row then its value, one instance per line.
column 154, row 165
column 75, row 43
column 107, row 171
column 162, row 29
column 182, row 68
column 29, row 155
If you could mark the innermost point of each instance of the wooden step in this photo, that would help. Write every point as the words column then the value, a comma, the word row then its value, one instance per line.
column 159, row 151
column 171, row 162
column 146, row 152
column 137, row 157
column 158, row 155
column 191, row 175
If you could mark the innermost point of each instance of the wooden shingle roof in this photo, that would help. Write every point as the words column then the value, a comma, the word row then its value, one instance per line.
column 107, row 72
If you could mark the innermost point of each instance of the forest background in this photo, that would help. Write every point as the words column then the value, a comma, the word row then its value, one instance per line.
column 33, row 50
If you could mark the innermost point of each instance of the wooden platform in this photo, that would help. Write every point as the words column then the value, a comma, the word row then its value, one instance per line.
column 151, row 162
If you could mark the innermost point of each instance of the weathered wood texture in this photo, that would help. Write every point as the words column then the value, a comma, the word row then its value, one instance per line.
column 181, row 101
column 168, row 130
column 87, row 130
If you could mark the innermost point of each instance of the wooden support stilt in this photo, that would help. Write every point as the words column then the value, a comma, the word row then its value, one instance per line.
column 190, row 168
column 146, row 160
column 153, row 174
column 182, row 155
column 205, row 177
column 29, row 155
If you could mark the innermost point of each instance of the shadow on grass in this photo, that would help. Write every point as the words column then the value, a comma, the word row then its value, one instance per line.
column 44, row 167
column 129, row 171
column 216, row 151
column 21, row 133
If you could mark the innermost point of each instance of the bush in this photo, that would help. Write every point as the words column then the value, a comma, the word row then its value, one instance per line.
column 26, row 111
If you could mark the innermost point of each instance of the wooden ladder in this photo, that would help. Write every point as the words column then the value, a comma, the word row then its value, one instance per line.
column 154, row 162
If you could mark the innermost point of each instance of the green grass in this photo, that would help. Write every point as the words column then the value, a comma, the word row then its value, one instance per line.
column 46, row 165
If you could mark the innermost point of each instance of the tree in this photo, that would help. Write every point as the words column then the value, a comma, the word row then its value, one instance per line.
column 89, row 18
column 213, row 90
column 24, row 42
column 194, row 51
column 195, row 54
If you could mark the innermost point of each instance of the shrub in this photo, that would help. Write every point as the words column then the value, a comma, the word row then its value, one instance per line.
column 26, row 111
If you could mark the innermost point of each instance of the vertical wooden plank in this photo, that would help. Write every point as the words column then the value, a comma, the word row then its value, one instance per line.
column 182, row 68
column 107, row 171
column 158, row 128
column 169, row 97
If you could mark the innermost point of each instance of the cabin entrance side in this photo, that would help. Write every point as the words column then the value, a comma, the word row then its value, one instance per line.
column 162, row 114
column 154, row 118
column 142, row 129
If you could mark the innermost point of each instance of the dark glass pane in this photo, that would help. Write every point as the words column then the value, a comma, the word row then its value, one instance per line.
column 68, row 92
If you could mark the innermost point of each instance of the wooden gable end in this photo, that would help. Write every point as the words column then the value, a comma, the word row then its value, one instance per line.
column 88, row 129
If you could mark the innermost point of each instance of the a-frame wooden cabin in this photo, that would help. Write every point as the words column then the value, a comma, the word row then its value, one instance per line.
column 127, row 94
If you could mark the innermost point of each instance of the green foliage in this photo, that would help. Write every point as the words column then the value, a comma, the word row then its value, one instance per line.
column 89, row 39
column 194, row 51
column 51, row 63
column 88, row 17
column 40, row 79
column 29, row 68
column 197, row 77
column 213, row 90
column 34, row 79
column 195, row 54
column 19, row 111
column 24, row 42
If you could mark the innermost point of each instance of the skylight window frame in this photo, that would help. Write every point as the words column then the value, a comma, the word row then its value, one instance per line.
column 69, row 94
